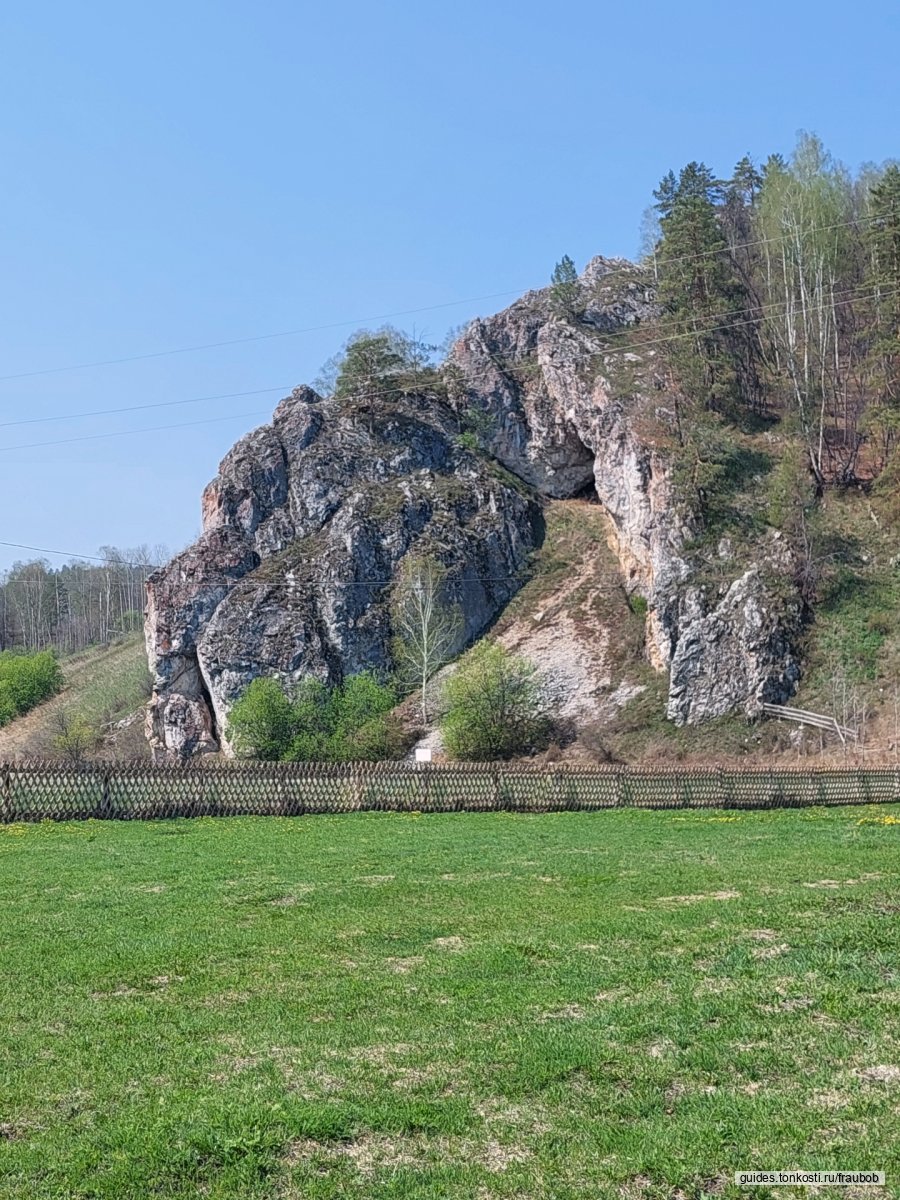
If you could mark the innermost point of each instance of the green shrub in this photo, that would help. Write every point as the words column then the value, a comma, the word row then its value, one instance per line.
column 74, row 737
column 319, row 723
column 495, row 706
column 26, row 680
column 261, row 723
column 346, row 723
column 469, row 441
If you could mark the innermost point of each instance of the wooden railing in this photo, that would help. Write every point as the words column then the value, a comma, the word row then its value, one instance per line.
column 817, row 720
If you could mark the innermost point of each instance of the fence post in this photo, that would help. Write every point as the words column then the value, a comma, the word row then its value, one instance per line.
column 426, row 787
column 6, row 793
column 104, row 792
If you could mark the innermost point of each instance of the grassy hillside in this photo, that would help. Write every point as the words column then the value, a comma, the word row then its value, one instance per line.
column 614, row 1005
column 102, row 686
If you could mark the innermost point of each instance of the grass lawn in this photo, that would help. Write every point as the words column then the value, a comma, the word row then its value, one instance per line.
column 575, row 1005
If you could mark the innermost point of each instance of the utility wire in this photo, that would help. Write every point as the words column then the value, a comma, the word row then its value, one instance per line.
column 90, row 437
column 146, row 566
column 262, row 337
column 70, row 554
column 106, row 412
column 360, row 582
column 756, row 309
column 382, row 393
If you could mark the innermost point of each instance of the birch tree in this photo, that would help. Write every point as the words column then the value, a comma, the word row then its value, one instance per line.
column 809, row 266
column 428, row 630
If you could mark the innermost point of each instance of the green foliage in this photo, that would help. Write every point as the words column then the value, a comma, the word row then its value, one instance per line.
column 698, row 286
column 565, row 290
column 707, row 465
column 318, row 724
column 74, row 737
column 809, row 262
column 883, row 243
column 794, row 509
column 379, row 363
column 495, row 706
column 478, row 422
column 262, row 721
column 346, row 723
column 852, row 626
column 26, row 680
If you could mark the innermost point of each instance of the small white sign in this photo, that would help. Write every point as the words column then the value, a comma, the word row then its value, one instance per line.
column 423, row 754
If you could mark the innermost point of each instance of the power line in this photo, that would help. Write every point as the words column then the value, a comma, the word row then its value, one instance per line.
column 757, row 310
column 262, row 337
column 106, row 412
column 71, row 554
column 848, row 298
column 362, row 395
column 90, row 437
column 147, row 566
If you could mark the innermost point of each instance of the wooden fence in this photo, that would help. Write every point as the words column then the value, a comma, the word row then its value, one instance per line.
column 50, row 791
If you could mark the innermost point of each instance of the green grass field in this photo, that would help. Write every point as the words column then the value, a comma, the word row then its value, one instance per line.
column 616, row 1004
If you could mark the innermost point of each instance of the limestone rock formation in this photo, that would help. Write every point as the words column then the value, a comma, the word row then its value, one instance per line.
column 737, row 656
column 309, row 517
column 563, row 410
column 303, row 531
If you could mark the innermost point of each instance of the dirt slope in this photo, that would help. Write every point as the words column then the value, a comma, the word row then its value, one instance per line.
column 103, row 684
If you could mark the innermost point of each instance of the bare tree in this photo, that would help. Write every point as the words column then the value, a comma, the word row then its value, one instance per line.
column 428, row 630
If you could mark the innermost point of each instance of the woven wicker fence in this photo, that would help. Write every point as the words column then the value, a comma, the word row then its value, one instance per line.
column 50, row 791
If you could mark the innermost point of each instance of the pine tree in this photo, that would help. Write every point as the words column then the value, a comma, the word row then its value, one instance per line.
column 698, row 285
column 666, row 194
column 746, row 180
column 565, row 290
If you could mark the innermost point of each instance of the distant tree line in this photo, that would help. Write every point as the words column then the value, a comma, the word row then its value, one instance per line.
column 79, row 604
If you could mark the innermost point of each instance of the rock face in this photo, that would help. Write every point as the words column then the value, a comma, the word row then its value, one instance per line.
column 303, row 531
column 736, row 657
column 564, row 411
column 309, row 517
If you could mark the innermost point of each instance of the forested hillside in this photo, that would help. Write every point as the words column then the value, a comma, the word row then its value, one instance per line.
column 780, row 289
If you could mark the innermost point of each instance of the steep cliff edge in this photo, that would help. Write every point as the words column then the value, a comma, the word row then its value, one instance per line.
column 309, row 517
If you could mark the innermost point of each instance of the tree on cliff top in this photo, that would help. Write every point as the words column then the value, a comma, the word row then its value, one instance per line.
column 565, row 290
column 698, row 285
column 374, row 363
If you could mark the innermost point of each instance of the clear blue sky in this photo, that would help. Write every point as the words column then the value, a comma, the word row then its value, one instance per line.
column 176, row 174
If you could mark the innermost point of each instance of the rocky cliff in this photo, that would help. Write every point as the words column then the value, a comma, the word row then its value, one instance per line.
column 303, row 531
column 571, row 411
column 309, row 517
